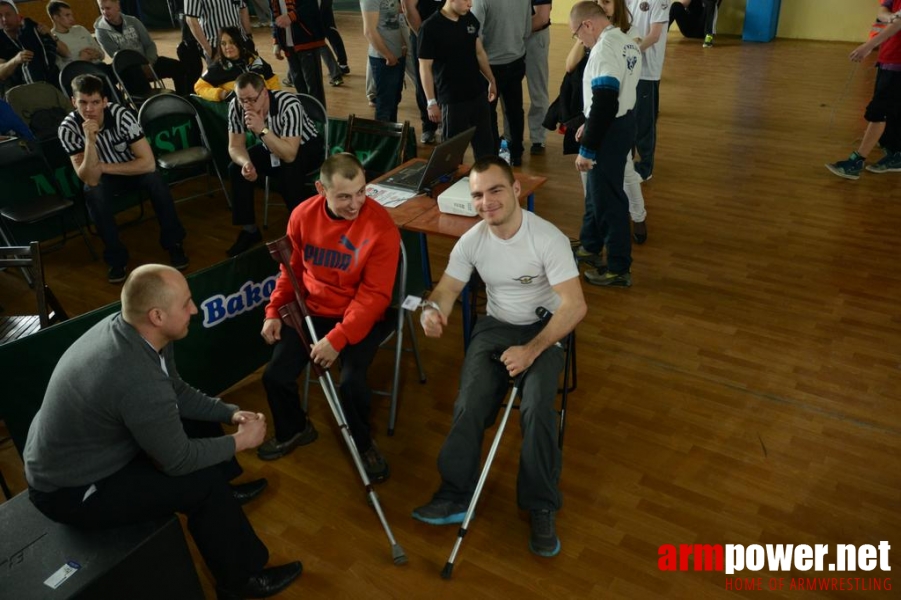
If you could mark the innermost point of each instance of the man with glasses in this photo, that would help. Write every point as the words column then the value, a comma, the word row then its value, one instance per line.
column 609, row 94
column 289, row 147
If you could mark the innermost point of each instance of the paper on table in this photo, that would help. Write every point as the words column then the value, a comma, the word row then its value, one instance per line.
column 388, row 197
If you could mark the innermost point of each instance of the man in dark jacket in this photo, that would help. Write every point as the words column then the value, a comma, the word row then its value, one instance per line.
column 27, row 49
column 298, row 33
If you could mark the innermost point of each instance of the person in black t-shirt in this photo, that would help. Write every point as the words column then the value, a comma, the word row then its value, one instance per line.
column 451, row 57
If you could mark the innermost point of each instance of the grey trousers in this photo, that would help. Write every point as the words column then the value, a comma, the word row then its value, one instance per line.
column 484, row 385
column 537, row 47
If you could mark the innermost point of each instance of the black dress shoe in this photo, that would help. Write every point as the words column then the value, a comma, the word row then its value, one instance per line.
column 245, row 492
column 246, row 240
column 268, row 583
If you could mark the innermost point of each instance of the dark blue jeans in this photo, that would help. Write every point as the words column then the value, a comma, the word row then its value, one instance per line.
column 99, row 200
column 421, row 100
column 646, row 108
column 609, row 221
column 389, row 83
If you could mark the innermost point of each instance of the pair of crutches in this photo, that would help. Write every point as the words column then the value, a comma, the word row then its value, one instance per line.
column 544, row 315
column 296, row 315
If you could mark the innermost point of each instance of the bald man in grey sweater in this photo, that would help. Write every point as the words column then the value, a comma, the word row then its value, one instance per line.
column 112, row 443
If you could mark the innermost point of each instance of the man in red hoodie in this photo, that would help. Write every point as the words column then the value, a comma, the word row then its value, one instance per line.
column 345, row 253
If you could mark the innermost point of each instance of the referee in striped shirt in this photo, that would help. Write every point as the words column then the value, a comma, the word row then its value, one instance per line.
column 206, row 17
column 110, row 155
column 290, row 147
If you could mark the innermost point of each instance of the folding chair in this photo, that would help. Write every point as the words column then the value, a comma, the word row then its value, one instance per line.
column 313, row 109
column 383, row 157
column 18, row 157
column 133, row 71
column 164, row 111
column 84, row 67
column 399, row 315
column 42, row 106
column 49, row 310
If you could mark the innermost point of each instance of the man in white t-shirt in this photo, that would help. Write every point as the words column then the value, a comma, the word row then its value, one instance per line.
column 526, row 263
column 79, row 41
column 650, row 21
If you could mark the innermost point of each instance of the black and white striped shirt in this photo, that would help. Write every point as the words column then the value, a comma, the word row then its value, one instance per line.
column 286, row 117
column 213, row 15
column 120, row 130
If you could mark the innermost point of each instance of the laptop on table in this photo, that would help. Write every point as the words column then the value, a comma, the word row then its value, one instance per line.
column 445, row 158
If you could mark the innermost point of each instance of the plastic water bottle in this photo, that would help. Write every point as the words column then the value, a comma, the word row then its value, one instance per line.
column 504, row 154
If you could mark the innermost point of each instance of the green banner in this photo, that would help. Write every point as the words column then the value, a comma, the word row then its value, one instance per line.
column 223, row 345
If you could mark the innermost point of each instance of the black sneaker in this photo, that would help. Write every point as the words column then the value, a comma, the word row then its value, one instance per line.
column 336, row 82
column 536, row 149
column 116, row 274
column 516, row 161
column 345, row 70
column 245, row 242
column 544, row 540
column 178, row 258
column 375, row 464
column 640, row 232
column 272, row 449
column 441, row 512
column 607, row 278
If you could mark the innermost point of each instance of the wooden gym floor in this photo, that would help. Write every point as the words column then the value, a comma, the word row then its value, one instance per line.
column 744, row 391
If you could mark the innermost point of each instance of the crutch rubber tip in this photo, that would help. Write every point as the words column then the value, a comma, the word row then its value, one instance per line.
column 397, row 553
column 447, row 571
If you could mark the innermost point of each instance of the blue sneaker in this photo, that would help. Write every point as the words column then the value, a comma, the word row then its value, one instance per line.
column 849, row 169
column 890, row 163
column 441, row 512
column 544, row 540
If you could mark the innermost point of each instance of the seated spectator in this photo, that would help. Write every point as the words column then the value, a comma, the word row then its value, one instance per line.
column 110, row 155
column 347, row 298
column 289, row 148
column 28, row 50
column 116, row 31
column 11, row 125
column 232, row 58
column 80, row 42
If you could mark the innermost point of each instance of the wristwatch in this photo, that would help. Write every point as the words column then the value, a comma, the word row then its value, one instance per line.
column 264, row 131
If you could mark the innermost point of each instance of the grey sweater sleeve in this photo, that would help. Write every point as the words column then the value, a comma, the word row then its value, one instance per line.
column 146, row 41
column 105, row 39
column 192, row 403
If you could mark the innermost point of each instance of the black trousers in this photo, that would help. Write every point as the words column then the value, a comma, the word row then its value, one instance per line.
column 305, row 71
column 140, row 492
column 457, row 117
column 289, row 359
column 290, row 181
column 509, row 91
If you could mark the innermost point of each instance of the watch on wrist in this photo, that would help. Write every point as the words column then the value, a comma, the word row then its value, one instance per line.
column 264, row 131
column 431, row 103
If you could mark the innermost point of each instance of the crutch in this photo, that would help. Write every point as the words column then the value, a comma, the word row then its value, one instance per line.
column 296, row 314
column 448, row 570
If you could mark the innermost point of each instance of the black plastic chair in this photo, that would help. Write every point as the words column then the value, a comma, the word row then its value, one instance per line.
column 168, row 108
column 18, row 157
column 136, row 76
column 84, row 67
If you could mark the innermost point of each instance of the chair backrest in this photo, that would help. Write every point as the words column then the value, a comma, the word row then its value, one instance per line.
column 23, row 163
column 314, row 109
column 84, row 67
column 29, row 257
column 130, row 67
column 382, row 157
column 28, row 97
column 162, row 112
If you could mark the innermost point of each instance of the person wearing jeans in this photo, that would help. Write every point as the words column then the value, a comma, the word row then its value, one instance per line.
column 387, row 54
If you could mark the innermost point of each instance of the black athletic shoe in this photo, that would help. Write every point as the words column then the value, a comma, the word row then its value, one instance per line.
column 245, row 242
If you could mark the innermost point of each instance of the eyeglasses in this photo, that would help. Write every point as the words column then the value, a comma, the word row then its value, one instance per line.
column 576, row 32
column 250, row 101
